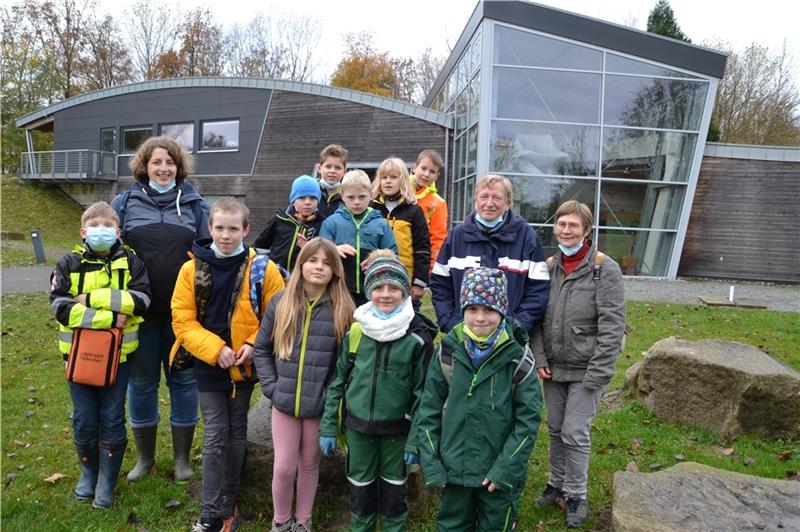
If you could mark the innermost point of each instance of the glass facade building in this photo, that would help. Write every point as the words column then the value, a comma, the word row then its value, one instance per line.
column 567, row 119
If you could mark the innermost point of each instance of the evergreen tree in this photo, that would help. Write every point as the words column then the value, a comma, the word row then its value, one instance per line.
column 661, row 20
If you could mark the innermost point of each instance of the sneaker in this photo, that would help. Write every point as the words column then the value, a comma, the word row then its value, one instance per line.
column 577, row 511
column 302, row 527
column 549, row 496
column 203, row 525
column 288, row 526
column 230, row 524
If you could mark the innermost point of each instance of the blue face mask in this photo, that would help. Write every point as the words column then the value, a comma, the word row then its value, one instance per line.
column 101, row 238
column 571, row 251
column 162, row 188
column 222, row 255
column 329, row 186
column 386, row 315
column 490, row 224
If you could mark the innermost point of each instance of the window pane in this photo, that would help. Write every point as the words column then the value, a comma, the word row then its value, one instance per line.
column 547, row 239
column 638, row 252
column 458, row 202
column 546, row 95
column 553, row 149
column 472, row 150
column 517, row 47
column 182, row 133
column 617, row 63
column 661, row 103
column 108, row 140
column 652, row 205
column 461, row 112
column 474, row 99
column 221, row 135
column 537, row 198
column 656, row 155
column 469, row 196
column 132, row 138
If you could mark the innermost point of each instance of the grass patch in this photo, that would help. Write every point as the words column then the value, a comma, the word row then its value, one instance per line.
column 22, row 210
column 37, row 438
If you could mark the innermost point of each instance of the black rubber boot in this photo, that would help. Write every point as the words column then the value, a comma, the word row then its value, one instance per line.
column 87, row 458
column 181, row 448
column 110, row 463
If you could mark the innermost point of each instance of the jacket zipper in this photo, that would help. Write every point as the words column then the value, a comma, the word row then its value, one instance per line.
column 301, row 362
column 291, row 249
column 375, row 382
column 358, row 246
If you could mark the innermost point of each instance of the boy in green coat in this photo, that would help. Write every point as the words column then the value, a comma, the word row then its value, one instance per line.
column 477, row 447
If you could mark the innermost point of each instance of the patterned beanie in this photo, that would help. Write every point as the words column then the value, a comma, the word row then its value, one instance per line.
column 485, row 286
column 386, row 268
column 304, row 185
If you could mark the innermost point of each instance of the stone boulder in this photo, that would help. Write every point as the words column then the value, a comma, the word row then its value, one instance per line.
column 726, row 387
column 690, row 496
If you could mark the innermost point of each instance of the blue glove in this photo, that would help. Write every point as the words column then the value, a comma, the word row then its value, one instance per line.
column 327, row 444
column 410, row 458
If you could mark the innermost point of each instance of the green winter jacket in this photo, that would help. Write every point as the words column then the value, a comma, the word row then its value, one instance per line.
column 384, row 384
column 489, row 426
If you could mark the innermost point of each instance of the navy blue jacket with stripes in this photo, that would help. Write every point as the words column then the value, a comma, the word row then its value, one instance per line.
column 512, row 247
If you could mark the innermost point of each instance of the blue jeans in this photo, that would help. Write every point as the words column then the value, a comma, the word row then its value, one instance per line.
column 98, row 414
column 224, row 449
column 155, row 342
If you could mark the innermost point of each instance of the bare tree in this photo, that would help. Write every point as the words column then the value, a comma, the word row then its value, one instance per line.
column 151, row 32
column 106, row 61
column 299, row 37
column 758, row 101
column 202, row 44
column 426, row 69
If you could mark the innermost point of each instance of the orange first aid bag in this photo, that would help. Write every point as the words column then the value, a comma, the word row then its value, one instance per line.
column 94, row 356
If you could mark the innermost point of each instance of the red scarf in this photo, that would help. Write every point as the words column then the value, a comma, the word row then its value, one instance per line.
column 570, row 263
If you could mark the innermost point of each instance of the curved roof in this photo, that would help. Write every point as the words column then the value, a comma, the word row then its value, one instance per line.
column 45, row 114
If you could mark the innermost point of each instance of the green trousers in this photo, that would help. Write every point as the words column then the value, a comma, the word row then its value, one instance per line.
column 475, row 509
column 377, row 476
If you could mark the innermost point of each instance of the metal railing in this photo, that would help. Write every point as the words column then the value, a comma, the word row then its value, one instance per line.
column 69, row 165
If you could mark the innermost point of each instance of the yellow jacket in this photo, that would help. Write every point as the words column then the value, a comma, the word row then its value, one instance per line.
column 202, row 343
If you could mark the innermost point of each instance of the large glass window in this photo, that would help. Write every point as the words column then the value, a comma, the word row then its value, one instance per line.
column 182, row 133
column 524, row 93
column 132, row 137
column 537, row 198
column 626, row 65
column 654, row 155
column 537, row 148
column 638, row 252
column 516, row 47
column 652, row 102
column 655, row 205
column 220, row 135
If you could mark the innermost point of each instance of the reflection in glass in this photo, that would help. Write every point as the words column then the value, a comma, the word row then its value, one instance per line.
column 655, row 155
column 458, row 201
column 221, row 135
column 537, row 198
column 524, row 93
column 659, row 103
column 461, row 110
column 472, row 149
column 547, row 239
column 133, row 137
column 625, row 65
column 638, row 252
column 653, row 205
column 458, row 158
column 182, row 133
column 535, row 148
column 474, row 99
column 518, row 47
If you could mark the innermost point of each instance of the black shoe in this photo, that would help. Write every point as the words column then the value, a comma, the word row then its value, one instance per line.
column 549, row 496
column 577, row 511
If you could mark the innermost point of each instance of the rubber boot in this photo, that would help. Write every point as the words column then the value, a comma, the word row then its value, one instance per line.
column 181, row 448
column 145, row 452
column 110, row 463
column 87, row 458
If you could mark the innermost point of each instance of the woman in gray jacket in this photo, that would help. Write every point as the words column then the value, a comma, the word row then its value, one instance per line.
column 576, row 347
column 295, row 357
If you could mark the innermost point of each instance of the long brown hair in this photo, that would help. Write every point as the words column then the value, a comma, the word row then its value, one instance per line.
column 184, row 161
column 292, row 306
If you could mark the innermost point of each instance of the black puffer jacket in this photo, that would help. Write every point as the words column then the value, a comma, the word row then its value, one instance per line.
column 297, row 386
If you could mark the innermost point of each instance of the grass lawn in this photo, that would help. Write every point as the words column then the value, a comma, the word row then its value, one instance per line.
column 23, row 207
column 37, row 439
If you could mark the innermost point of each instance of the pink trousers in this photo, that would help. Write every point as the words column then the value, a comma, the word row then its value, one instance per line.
column 297, row 455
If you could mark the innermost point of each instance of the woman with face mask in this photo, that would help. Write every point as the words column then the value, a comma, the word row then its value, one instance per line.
column 160, row 216
column 576, row 347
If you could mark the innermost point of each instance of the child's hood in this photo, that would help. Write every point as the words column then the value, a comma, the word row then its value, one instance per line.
column 201, row 249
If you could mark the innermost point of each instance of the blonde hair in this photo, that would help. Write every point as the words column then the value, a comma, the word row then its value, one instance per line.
column 101, row 209
column 292, row 306
column 396, row 164
column 490, row 181
column 231, row 205
column 356, row 178
column 184, row 162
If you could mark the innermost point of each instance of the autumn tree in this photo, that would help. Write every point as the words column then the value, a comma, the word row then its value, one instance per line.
column 661, row 20
column 202, row 44
column 758, row 101
column 364, row 68
column 105, row 61
column 150, row 28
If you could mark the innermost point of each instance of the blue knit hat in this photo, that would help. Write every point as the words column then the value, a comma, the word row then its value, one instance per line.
column 487, row 287
column 304, row 185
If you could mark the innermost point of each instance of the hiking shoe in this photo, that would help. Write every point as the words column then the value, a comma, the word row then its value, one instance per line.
column 577, row 511
column 302, row 527
column 288, row 526
column 203, row 525
column 549, row 496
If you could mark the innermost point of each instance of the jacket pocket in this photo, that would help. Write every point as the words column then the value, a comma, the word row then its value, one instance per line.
column 584, row 341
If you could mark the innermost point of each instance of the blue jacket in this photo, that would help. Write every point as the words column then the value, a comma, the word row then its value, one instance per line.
column 370, row 233
column 513, row 247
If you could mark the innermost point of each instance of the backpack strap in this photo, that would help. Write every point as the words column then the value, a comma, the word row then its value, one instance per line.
column 122, row 206
column 446, row 362
column 355, row 338
column 524, row 369
column 258, row 270
column 598, row 260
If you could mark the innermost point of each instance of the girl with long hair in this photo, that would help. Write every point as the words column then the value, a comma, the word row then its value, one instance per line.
column 295, row 367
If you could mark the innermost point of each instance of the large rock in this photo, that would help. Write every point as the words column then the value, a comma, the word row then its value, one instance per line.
column 691, row 496
column 723, row 386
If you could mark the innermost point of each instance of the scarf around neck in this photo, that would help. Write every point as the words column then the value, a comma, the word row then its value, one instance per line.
column 386, row 330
